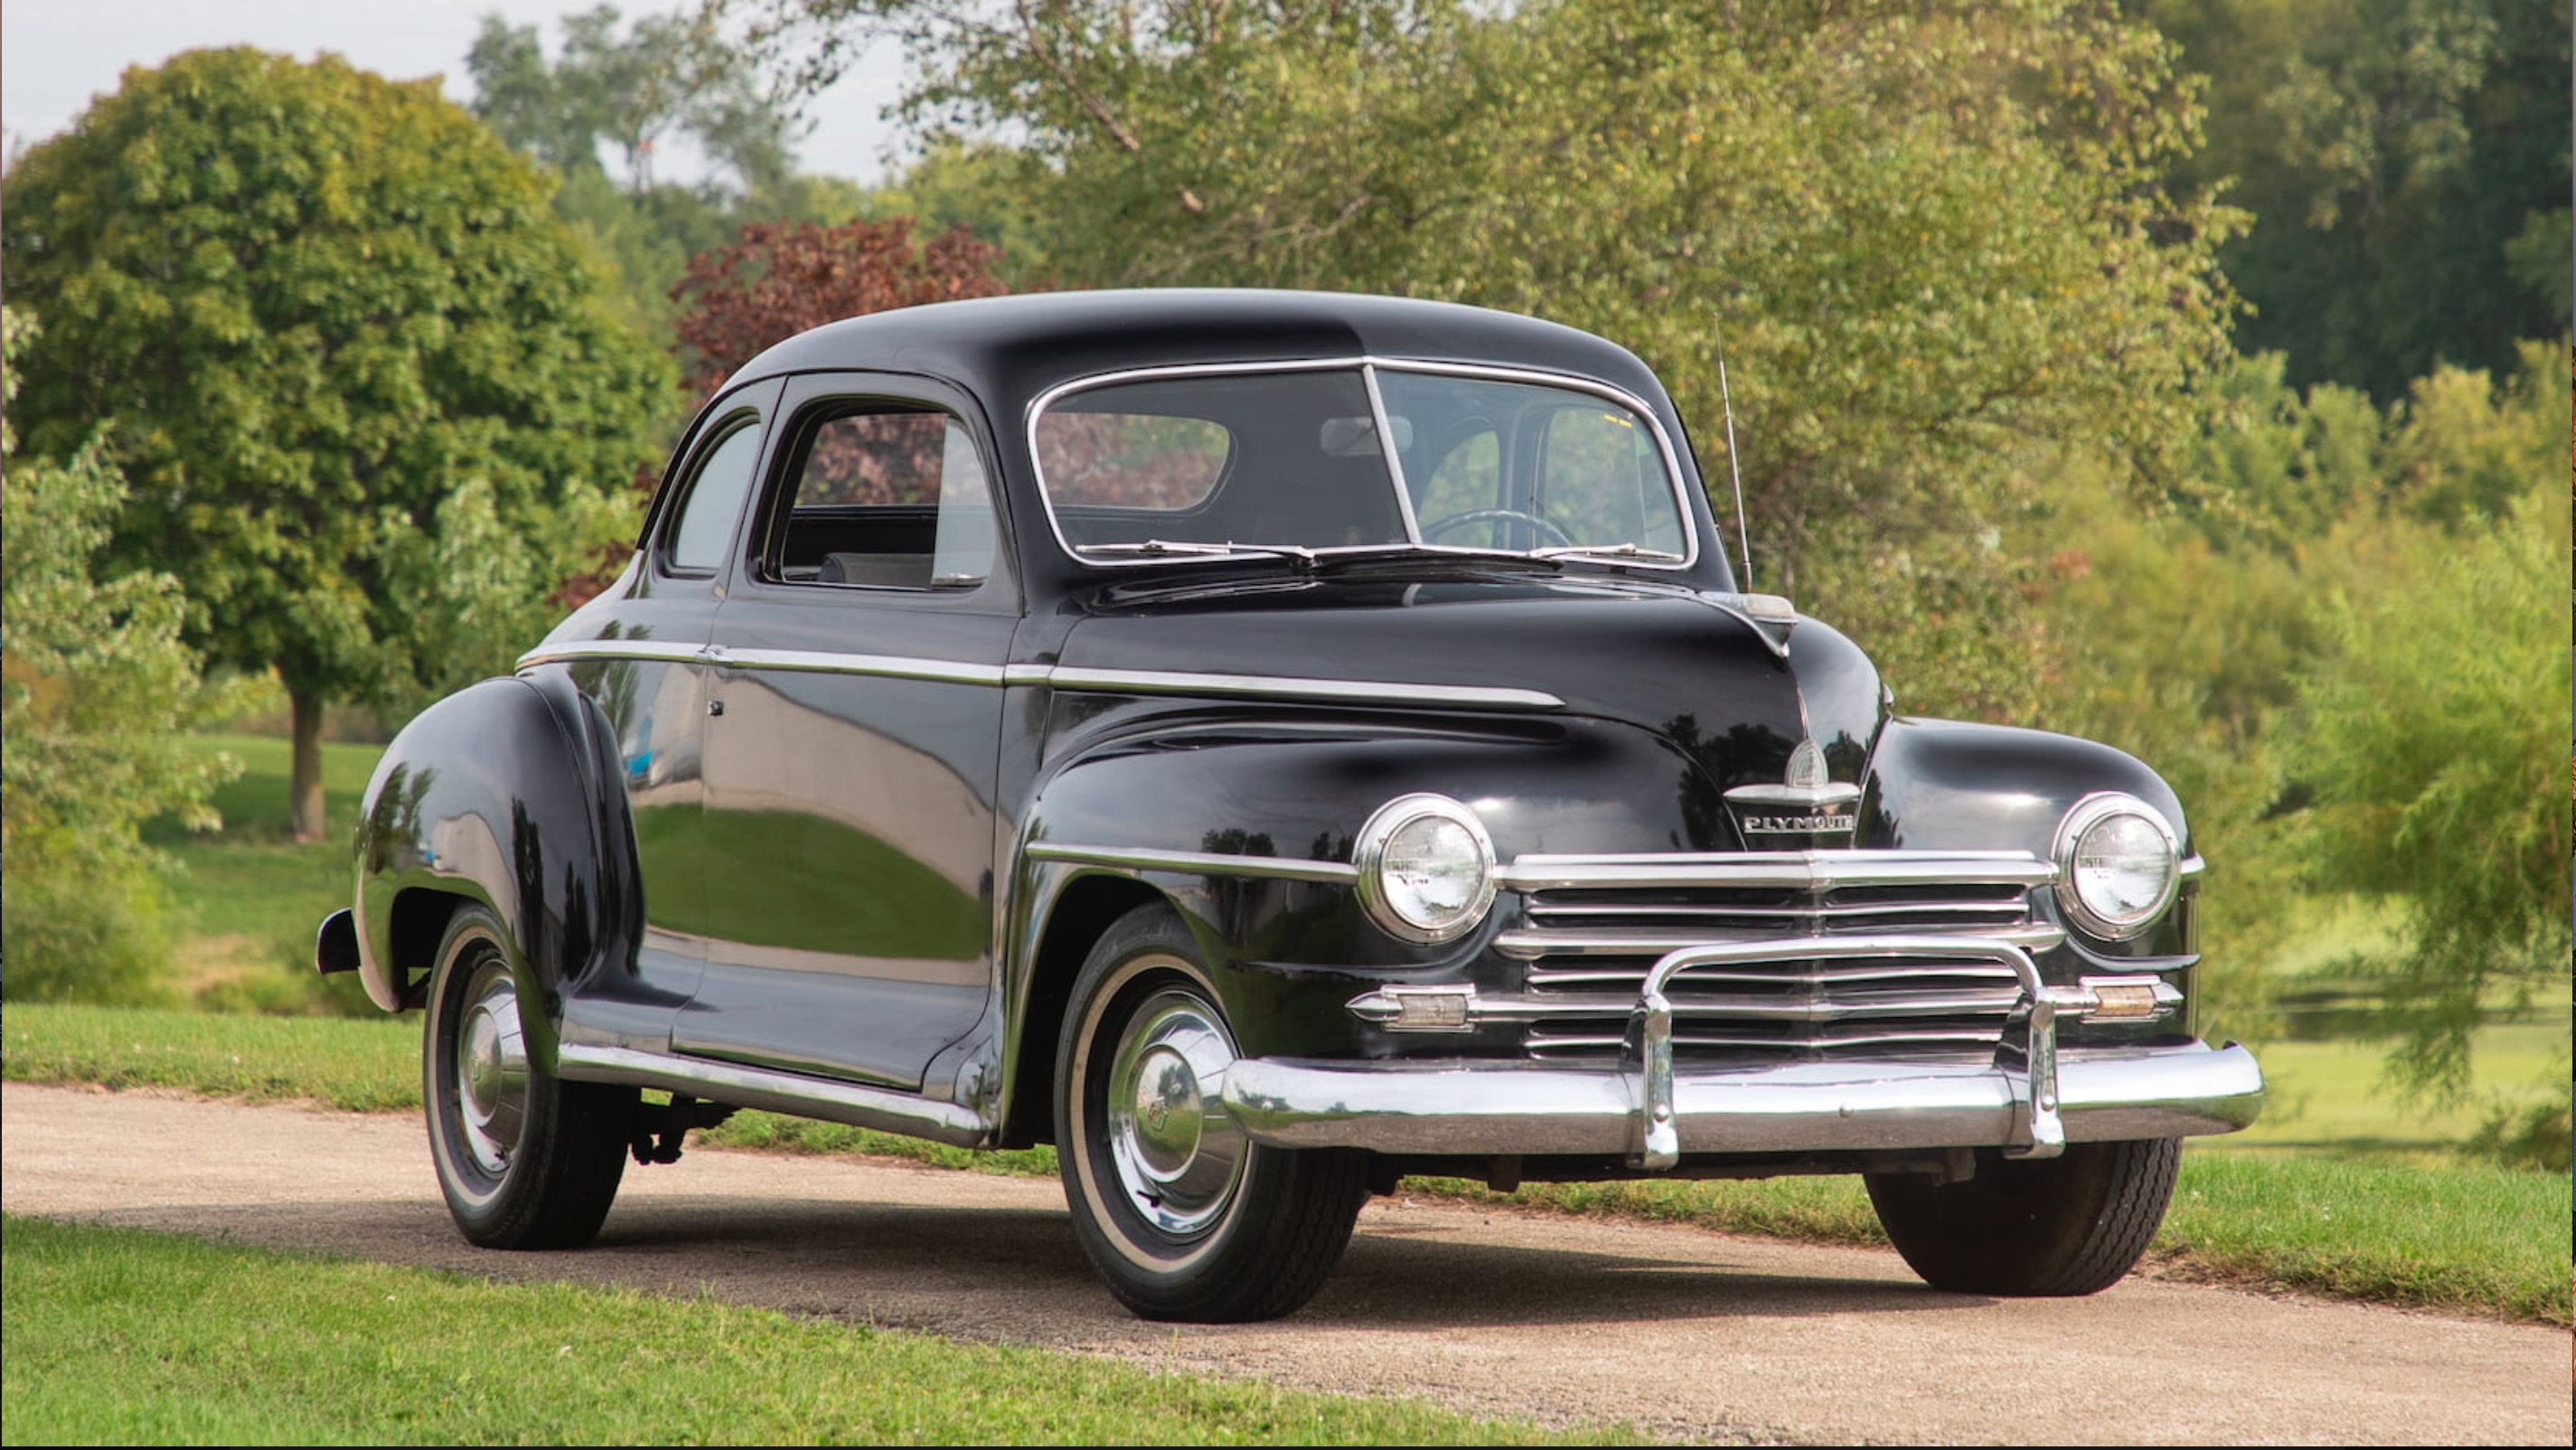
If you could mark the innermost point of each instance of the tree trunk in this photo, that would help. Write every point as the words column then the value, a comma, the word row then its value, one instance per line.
column 304, row 795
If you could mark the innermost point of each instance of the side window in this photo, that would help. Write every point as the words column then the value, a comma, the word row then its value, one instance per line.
column 713, row 501
column 884, row 496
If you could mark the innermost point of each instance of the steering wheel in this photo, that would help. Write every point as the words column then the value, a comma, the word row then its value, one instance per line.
column 1548, row 531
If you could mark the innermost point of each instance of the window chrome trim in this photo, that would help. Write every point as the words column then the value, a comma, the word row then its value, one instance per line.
column 1367, row 365
column 1194, row 863
column 1387, row 450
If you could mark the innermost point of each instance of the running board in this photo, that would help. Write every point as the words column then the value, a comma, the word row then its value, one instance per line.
column 855, row 1104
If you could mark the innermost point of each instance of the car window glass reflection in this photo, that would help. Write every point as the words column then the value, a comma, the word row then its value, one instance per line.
column 887, row 498
column 714, row 501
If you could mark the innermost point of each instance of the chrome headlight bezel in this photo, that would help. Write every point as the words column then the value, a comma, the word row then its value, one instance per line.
column 1369, row 851
column 2086, row 816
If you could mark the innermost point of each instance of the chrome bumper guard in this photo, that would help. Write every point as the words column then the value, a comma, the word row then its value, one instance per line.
column 1647, row 1111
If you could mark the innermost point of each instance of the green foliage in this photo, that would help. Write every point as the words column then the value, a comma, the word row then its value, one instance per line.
column 2530, row 1135
column 2364, row 625
column 2435, row 778
column 984, row 188
column 629, row 89
column 94, row 683
column 664, row 75
column 1928, row 235
column 354, row 369
column 2406, row 163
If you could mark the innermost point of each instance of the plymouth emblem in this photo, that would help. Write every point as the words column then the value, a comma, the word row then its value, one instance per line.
column 1808, row 801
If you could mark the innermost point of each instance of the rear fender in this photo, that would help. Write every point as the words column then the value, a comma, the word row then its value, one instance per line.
column 492, row 796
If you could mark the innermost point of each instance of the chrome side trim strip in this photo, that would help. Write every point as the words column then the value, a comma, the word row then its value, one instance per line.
column 2192, row 866
column 1289, row 687
column 674, row 652
column 1795, row 870
column 1195, row 863
column 777, row 1092
column 1062, row 677
column 833, row 662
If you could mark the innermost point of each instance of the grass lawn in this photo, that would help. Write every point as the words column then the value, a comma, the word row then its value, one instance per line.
column 251, row 898
column 2330, row 1096
column 2446, row 1236
column 119, row 1337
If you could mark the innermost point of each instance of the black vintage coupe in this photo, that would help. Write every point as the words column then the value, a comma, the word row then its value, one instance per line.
column 1265, row 744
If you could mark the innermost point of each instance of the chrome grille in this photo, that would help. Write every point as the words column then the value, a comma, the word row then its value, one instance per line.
column 1591, row 938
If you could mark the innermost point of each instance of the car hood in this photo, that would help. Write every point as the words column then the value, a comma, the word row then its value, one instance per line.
column 1735, row 696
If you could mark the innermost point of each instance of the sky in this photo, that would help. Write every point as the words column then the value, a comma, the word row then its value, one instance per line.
column 56, row 55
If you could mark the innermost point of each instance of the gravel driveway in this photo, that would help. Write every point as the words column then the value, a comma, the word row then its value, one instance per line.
column 1679, row 1331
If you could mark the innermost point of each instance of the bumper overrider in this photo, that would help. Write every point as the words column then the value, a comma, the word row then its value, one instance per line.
column 2029, row 1098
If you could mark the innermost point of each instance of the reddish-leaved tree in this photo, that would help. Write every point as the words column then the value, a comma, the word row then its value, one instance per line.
column 784, row 277
column 777, row 280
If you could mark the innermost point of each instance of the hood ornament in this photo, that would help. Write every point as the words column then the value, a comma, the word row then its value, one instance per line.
column 1806, row 802
column 1806, row 767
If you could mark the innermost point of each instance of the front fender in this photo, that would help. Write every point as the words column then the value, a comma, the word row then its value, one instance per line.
column 1949, row 785
column 490, row 796
column 1293, row 790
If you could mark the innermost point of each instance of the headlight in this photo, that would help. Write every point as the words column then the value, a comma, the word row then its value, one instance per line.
column 2117, row 865
column 1426, row 868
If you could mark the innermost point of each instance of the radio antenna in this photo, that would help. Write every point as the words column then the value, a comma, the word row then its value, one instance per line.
column 1743, row 540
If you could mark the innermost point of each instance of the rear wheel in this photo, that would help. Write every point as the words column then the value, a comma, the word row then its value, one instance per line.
column 1184, row 1216
column 2043, row 1227
column 525, row 1159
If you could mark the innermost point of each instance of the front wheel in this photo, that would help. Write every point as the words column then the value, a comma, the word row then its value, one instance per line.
column 2042, row 1227
column 525, row 1159
column 1184, row 1216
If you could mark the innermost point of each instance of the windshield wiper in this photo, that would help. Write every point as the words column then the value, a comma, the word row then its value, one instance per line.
column 1340, row 554
column 1159, row 548
column 1605, row 551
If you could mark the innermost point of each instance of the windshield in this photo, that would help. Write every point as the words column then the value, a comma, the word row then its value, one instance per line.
column 1293, row 460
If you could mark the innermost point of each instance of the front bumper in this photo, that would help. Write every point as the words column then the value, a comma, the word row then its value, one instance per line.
column 1474, row 1108
column 1651, row 1111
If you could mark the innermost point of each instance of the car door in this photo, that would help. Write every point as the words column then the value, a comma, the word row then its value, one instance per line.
column 648, row 673
column 851, row 741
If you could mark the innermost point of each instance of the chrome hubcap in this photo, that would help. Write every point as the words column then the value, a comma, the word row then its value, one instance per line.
column 491, row 1070
column 1177, row 1151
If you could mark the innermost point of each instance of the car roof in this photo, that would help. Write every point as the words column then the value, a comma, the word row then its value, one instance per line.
column 1010, row 349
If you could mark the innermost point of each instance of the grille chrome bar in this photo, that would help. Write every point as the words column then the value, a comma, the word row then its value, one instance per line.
column 1531, row 943
column 1792, row 870
column 2012, row 909
column 1821, row 978
column 1595, row 1041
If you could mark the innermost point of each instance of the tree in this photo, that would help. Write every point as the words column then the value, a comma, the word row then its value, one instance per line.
column 94, row 686
column 665, row 75
column 1927, row 236
column 2406, row 162
column 330, row 329
column 780, row 278
column 628, row 88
